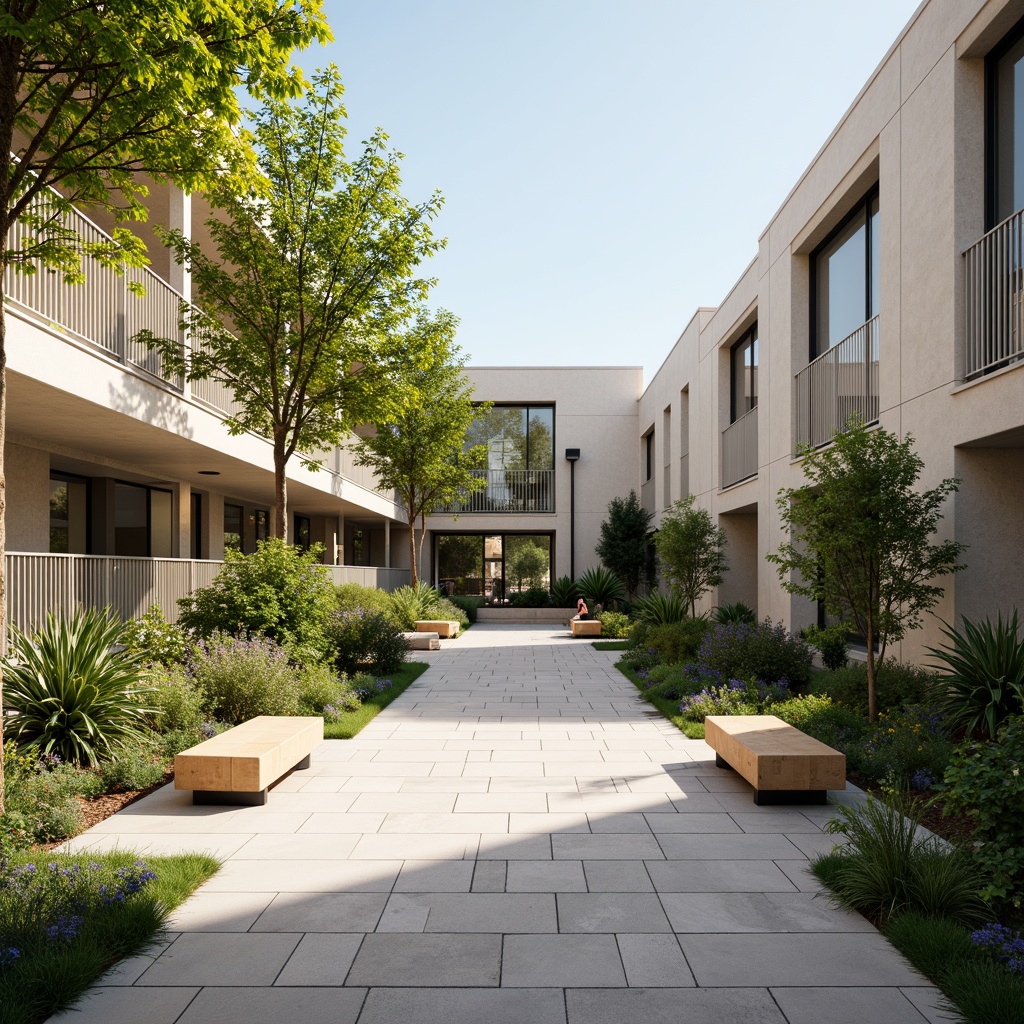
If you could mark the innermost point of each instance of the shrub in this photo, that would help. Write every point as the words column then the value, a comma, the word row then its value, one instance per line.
column 737, row 697
column 320, row 688
column 658, row 610
column 535, row 597
column 600, row 587
column 738, row 612
column 986, row 781
column 242, row 677
column 280, row 592
column 411, row 603
column 1002, row 945
column 889, row 868
column 446, row 609
column 72, row 690
column 361, row 641
column 831, row 644
column 678, row 642
column 895, row 685
column 983, row 681
column 832, row 724
column 179, row 703
column 155, row 640
column 614, row 625
column 763, row 652
column 133, row 769
column 370, row 599
column 468, row 604
column 907, row 748
column 564, row 592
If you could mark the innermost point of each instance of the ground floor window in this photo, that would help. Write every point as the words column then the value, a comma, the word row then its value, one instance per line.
column 69, row 503
column 494, row 566
column 143, row 521
column 232, row 527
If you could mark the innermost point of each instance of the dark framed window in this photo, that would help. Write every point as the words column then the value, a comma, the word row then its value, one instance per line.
column 69, row 514
column 492, row 565
column 262, row 524
column 518, row 437
column 845, row 277
column 232, row 527
column 743, row 375
column 1004, row 150
column 143, row 521
column 195, row 528
column 649, row 452
column 302, row 532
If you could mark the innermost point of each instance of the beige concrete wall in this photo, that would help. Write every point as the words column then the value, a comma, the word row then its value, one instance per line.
column 27, row 471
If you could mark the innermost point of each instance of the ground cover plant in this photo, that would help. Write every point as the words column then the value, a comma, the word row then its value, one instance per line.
column 346, row 724
column 64, row 920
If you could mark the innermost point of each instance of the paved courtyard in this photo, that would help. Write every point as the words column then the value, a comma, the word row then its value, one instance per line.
column 516, row 840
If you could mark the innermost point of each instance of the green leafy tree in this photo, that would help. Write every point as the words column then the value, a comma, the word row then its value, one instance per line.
column 859, row 538
column 526, row 564
column 311, row 310
column 623, row 544
column 691, row 551
column 94, row 95
column 420, row 451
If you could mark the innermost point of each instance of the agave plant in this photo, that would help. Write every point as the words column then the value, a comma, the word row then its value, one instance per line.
column 659, row 610
column 982, row 680
column 600, row 587
column 564, row 592
column 737, row 612
column 72, row 690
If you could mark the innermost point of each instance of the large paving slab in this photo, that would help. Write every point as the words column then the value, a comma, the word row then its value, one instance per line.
column 517, row 839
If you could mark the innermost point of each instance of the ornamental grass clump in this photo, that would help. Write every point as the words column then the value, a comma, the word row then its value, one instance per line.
column 72, row 690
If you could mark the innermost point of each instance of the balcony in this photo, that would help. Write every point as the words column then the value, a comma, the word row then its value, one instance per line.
column 994, row 299
column 840, row 383
column 509, row 491
column 739, row 449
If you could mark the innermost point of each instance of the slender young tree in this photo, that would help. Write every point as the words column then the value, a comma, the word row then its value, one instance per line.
column 304, row 311
column 624, row 540
column 422, row 452
column 860, row 537
column 691, row 550
column 93, row 95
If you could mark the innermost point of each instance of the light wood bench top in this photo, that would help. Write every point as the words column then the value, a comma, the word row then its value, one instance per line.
column 423, row 641
column 442, row 627
column 775, row 757
column 247, row 758
column 585, row 627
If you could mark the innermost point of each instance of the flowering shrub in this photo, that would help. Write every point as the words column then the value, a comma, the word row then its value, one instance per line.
column 154, row 639
column 366, row 686
column 895, row 685
column 47, row 905
column 614, row 625
column 908, row 747
column 737, row 697
column 1004, row 946
column 179, row 701
column 361, row 640
column 818, row 716
column 986, row 780
column 741, row 651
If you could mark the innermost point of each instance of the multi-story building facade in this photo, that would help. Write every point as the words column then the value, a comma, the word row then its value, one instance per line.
column 890, row 283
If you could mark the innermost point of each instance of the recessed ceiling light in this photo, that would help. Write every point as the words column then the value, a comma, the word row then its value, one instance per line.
column 209, row 472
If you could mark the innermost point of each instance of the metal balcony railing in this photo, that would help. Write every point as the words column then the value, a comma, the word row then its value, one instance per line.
column 840, row 383
column 994, row 294
column 739, row 449
column 509, row 490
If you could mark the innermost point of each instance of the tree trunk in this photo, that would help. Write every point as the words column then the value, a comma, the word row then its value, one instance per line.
column 869, row 637
column 411, row 516
column 3, row 506
column 280, row 490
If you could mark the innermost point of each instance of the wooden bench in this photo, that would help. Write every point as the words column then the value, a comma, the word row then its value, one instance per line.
column 423, row 641
column 238, row 766
column 585, row 627
column 784, row 765
column 445, row 630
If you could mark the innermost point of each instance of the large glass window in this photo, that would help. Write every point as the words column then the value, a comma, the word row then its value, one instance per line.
column 846, row 277
column 516, row 436
column 68, row 515
column 1006, row 127
column 143, row 521
column 232, row 527
column 494, row 566
column 744, row 357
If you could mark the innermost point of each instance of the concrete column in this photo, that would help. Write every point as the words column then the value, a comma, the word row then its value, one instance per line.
column 387, row 543
column 213, row 527
column 181, row 535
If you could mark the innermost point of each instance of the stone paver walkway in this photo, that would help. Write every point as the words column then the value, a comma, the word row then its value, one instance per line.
column 516, row 840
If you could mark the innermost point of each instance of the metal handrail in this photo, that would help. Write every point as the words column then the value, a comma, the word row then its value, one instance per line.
column 509, row 491
column 739, row 449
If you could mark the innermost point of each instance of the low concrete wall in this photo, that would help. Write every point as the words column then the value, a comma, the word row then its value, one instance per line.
column 560, row 616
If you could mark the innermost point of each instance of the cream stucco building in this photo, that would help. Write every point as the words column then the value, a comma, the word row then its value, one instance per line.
column 889, row 283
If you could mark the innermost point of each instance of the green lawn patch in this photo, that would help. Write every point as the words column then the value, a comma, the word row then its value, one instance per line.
column 68, row 924
column 611, row 645
column 669, row 708
column 351, row 722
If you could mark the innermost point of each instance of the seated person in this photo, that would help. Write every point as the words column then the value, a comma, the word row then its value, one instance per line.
column 582, row 612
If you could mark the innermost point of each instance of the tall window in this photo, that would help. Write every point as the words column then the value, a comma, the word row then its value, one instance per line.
column 68, row 514
column 232, row 527
column 649, row 452
column 494, row 566
column 516, row 436
column 302, row 532
column 744, row 374
column 142, row 521
column 846, row 279
column 1006, row 128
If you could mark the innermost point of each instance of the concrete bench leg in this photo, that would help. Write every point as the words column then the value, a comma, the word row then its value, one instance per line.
column 767, row 797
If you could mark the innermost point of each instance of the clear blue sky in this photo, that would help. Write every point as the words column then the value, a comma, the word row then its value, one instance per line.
column 607, row 166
